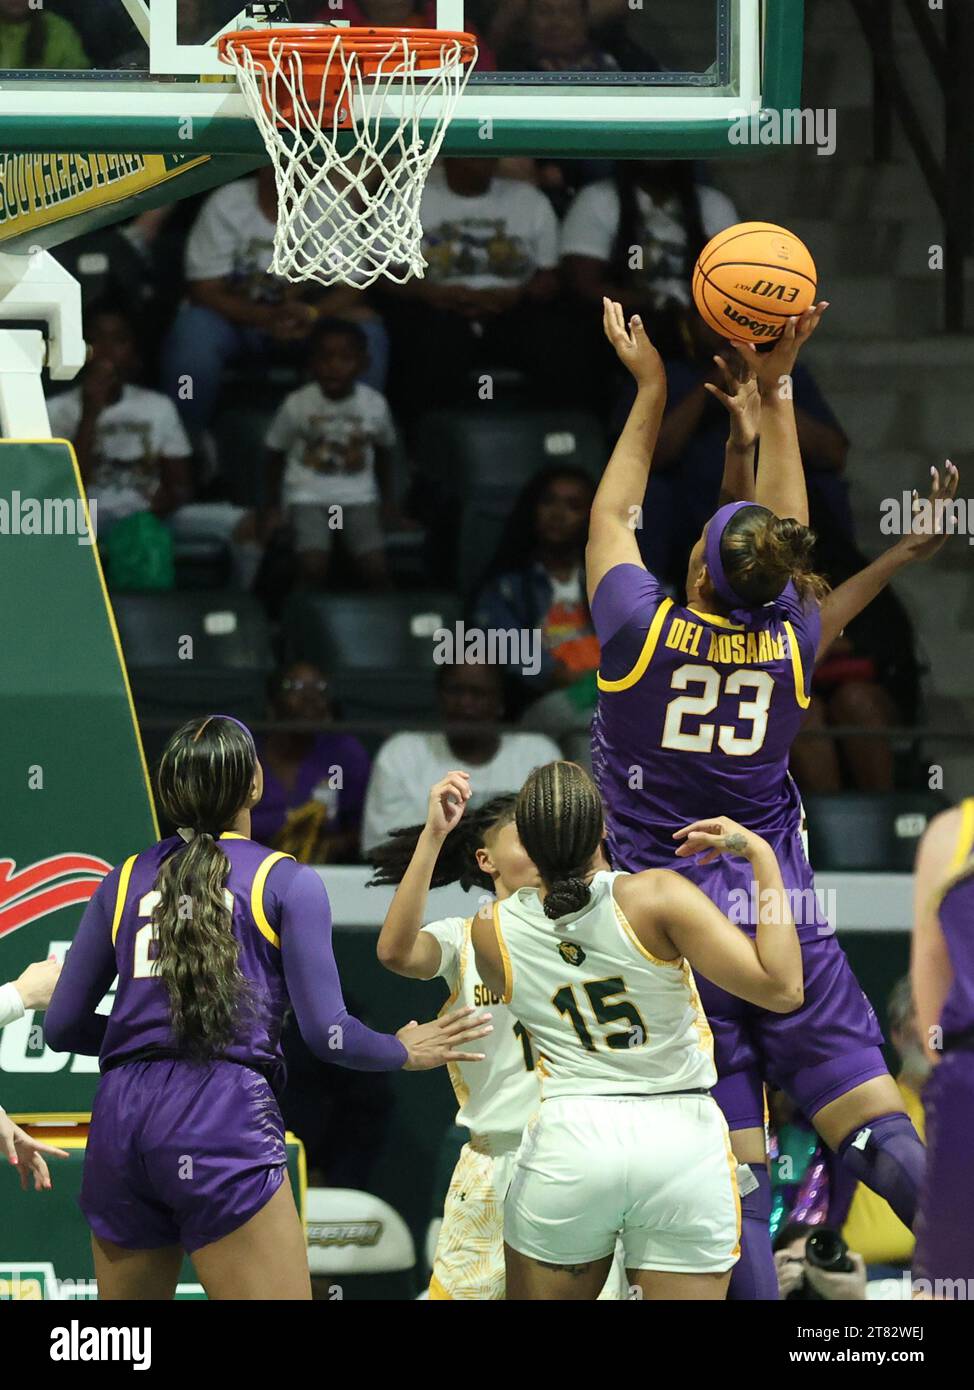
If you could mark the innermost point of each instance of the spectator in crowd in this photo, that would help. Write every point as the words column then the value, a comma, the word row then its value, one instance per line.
column 537, row 583
column 872, row 1227
column 314, row 782
column 869, row 678
column 689, row 459
column 557, row 36
column 35, row 37
column 636, row 237
column 800, row 1279
column 131, row 446
column 237, row 310
column 330, row 460
column 107, row 33
column 491, row 245
column 469, row 696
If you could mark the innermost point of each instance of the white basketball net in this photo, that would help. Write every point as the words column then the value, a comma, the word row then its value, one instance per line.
column 349, row 218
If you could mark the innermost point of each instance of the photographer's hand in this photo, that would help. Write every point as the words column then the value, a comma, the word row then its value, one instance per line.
column 839, row 1287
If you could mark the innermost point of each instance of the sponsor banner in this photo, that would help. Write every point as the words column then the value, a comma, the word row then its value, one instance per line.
column 76, row 793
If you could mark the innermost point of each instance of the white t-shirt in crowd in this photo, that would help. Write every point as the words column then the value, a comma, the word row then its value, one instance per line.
column 232, row 238
column 592, row 225
column 131, row 437
column 497, row 240
column 407, row 765
column 330, row 445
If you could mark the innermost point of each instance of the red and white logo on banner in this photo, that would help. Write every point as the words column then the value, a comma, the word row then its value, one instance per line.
column 60, row 881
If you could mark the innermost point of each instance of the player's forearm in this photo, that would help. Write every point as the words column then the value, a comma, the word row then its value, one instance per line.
column 776, row 940
column 781, row 477
column 624, row 481
column 737, row 483
column 849, row 599
column 400, row 930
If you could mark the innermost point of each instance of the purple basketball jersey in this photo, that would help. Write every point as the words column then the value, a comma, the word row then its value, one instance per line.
column 140, row 1017
column 696, row 715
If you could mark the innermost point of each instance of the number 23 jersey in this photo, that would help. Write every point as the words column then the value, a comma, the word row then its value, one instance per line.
column 696, row 715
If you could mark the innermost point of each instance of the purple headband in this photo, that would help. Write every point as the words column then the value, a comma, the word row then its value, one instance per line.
column 232, row 721
column 740, row 610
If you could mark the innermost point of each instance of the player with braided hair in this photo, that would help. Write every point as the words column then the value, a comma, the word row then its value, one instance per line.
column 598, row 966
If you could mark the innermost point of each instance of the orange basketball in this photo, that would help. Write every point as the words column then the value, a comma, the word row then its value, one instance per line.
column 751, row 279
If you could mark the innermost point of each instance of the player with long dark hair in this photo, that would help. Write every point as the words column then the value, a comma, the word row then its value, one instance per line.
column 475, row 848
column 212, row 937
column 598, row 967
column 699, row 705
column 943, row 988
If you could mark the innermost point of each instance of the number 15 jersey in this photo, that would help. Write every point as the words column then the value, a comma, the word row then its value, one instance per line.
column 605, row 1015
column 696, row 715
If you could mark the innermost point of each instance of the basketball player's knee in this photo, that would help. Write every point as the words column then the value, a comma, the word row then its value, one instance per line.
column 888, row 1155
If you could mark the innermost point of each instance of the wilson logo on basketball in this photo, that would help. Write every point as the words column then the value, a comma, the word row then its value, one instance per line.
column 32, row 892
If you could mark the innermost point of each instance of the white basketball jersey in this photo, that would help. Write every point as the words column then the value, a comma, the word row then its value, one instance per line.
column 500, row 1094
column 606, row 1017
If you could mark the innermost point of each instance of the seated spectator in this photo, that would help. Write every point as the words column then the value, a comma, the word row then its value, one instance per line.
column 503, row 19
column 537, row 583
column 556, row 36
column 869, row 678
column 408, row 764
column 237, row 310
column 33, row 37
column 872, row 1227
column 689, row 461
column 131, row 446
column 314, row 782
column 330, row 449
column 636, row 237
column 491, row 245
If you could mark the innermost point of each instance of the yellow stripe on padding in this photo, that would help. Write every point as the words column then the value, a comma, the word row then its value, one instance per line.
column 257, row 897
column 965, row 836
column 796, row 665
column 645, row 656
column 121, row 892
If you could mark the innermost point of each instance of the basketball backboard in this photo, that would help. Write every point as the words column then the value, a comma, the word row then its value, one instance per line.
column 662, row 77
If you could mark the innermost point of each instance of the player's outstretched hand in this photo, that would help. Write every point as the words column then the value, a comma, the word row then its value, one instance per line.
column 712, row 838
column 26, row 1154
column 448, row 800
column 442, row 1040
column 772, row 367
column 741, row 399
column 632, row 345
column 935, row 522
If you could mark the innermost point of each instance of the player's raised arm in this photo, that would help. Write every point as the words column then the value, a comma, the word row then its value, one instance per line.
column 615, row 510
column 741, row 398
column 766, row 971
column 403, row 947
column 781, row 477
column 933, row 527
